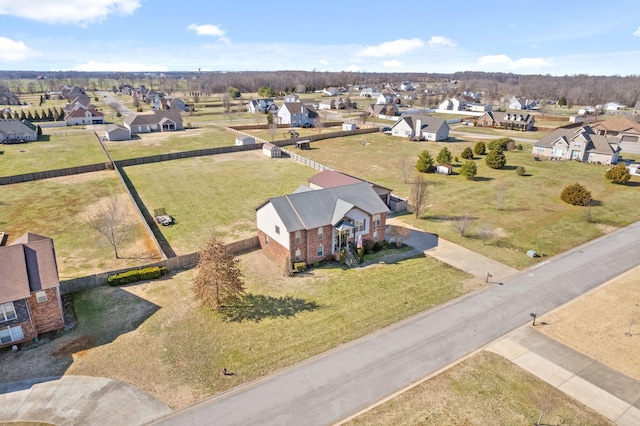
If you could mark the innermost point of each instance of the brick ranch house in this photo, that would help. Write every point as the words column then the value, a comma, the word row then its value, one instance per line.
column 311, row 225
column 30, row 301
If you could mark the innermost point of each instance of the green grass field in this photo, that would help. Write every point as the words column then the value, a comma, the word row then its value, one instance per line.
column 58, row 208
column 59, row 148
column 147, row 144
column 532, row 215
column 214, row 194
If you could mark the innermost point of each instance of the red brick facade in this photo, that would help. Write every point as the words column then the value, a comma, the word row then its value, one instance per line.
column 47, row 316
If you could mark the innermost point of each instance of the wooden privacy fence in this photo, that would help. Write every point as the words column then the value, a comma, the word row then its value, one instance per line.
column 173, row 264
column 48, row 174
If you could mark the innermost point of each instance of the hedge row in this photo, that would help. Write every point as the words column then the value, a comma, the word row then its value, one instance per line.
column 134, row 275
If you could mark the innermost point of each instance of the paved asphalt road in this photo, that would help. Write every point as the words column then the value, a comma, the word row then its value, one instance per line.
column 329, row 387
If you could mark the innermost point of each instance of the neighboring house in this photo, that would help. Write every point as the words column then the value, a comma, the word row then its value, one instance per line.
column 506, row 120
column 624, row 128
column 113, row 132
column 519, row 103
column 476, row 107
column 331, row 91
column 421, row 127
column 406, row 86
column 388, row 98
column 30, row 302
column 245, row 140
column 586, row 111
column 158, row 121
column 388, row 110
column 613, row 106
column 331, row 179
column 271, row 150
column 262, row 105
column 296, row 114
column 12, row 130
column 180, row 105
column 581, row 144
column 313, row 225
column 367, row 92
column 327, row 104
column 8, row 98
column 83, row 115
column 291, row 97
column 453, row 104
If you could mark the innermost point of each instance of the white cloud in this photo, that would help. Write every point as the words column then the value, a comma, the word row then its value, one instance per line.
column 439, row 41
column 119, row 66
column 392, row 64
column 11, row 50
column 68, row 11
column 209, row 30
column 391, row 48
column 637, row 32
column 505, row 62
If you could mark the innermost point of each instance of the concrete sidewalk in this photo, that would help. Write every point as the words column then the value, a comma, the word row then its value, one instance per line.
column 452, row 254
column 78, row 400
column 599, row 387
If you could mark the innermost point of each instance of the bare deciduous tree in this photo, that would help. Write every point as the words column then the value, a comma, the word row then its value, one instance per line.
column 399, row 234
column 500, row 195
column 418, row 195
column 485, row 232
column 462, row 224
column 405, row 168
column 273, row 128
column 218, row 278
column 112, row 224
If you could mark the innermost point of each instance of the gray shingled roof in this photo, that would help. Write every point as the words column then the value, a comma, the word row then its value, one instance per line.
column 312, row 209
column 427, row 121
column 155, row 118
column 595, row 143
column 10, row 126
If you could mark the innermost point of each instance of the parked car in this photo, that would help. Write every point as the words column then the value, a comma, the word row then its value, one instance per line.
column 306, row 125
column 385, row 129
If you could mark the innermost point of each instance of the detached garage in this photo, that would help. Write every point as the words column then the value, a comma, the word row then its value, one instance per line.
column 113, row 132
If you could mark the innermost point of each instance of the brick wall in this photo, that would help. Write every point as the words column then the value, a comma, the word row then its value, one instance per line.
column 273, row 249
column 314, row 243
column 22, row 319
column 47, row 316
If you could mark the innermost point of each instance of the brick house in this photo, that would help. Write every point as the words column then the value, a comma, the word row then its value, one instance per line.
column 311, row 225
column 30, row 301
column 581, row 144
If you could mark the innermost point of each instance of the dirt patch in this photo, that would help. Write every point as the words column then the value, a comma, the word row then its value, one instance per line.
column 603, row 324
column 606, row 229
column 76, row 346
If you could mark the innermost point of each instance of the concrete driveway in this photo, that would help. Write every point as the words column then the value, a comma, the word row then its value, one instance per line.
column 336, row 384
column 78, row 400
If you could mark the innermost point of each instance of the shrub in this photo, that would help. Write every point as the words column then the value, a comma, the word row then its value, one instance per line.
column 369, row 246
column 467, row 154
column 360, row 254
column 300, row 266
column 519, row 147
column 576, row 194
column 503, row 144
column 469, row 170
column 520, row 170
column 456, row 159
column 378, row 246
column 480, row 148
column 386, row 245
column 444, row 156
column 495, row 159
column 135, row 275
column 343, row 256
column 618, row 174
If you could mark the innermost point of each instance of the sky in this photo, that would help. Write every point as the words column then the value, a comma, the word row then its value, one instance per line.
column 560, row 37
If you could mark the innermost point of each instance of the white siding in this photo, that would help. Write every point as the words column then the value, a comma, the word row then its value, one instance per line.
column 267, row 219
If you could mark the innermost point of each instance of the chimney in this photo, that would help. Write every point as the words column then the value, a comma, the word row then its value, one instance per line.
column 418, row 128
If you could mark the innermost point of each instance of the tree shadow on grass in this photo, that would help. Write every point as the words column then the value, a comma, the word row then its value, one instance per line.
column 256, row 307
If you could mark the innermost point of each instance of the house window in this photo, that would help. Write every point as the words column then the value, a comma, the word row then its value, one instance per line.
column 298, row 237
column 577, row 144
column 320, row 251
column 11, row 334
column 376, row 220
column 41, row 296
column 320, row 231
column 266, row 240
column 375, row 235
column 360, row 225
column 277, row 230
column 298, row 255
column 539, row 149
column 7, row 312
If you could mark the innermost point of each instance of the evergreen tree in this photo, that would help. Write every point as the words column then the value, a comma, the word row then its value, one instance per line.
column 469, row 169
column 425, row 162
column 618, row 174
column 467, row 154
column 444, row 156
column 576, row 194
column 480, row 148
column 495, row 159
column 36, row 116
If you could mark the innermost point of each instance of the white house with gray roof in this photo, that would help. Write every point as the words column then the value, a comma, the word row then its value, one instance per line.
column 311, row 225
column 421, row 127
column 158, row 121
column 12, row 130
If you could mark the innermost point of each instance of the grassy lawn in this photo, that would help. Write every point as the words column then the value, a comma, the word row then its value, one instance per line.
column 499, row 133
column 484, row 389
column 532, row 215
column 58, row 149
column 165, row 142
column 216, row 193
column 154, row 336
column 58, row 208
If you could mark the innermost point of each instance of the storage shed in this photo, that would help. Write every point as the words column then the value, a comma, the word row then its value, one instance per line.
column 271, row 150
column 349, row 126
column 245, row 140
